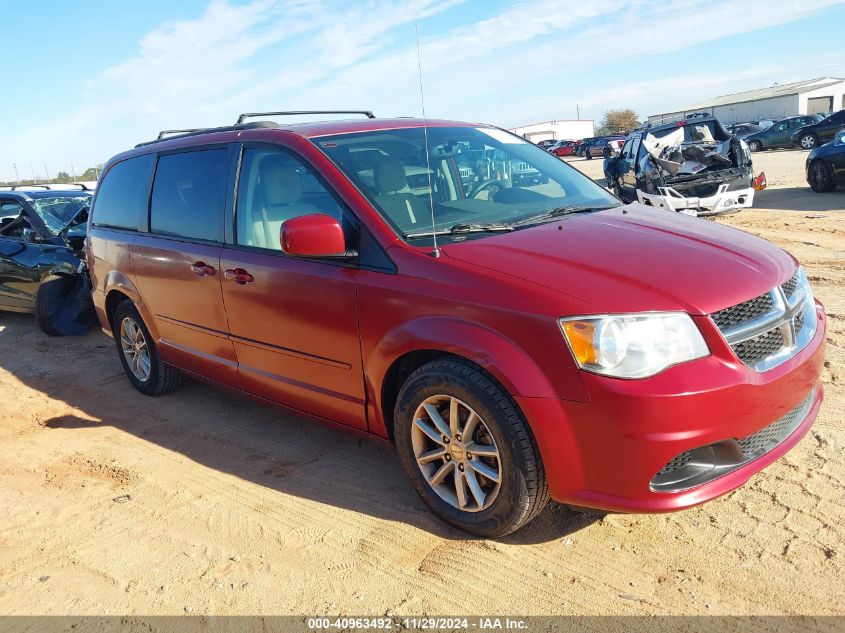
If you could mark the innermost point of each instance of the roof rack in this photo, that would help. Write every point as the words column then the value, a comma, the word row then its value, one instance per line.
column 33, row 186
column 249, row 115
column 164, row 133
column 206, row 130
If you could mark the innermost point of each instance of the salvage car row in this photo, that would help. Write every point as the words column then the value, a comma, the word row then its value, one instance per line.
column 456, row 290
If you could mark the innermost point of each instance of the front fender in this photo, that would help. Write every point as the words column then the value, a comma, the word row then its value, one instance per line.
column 58, row 261
column 520, row 375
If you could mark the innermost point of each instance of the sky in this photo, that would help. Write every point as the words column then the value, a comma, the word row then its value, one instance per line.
column 88, row 79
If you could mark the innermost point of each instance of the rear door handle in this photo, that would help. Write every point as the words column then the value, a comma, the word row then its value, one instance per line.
column 202, row 269
column 238, row 275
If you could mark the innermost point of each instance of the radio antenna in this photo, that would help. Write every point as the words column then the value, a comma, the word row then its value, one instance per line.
column 435, row 251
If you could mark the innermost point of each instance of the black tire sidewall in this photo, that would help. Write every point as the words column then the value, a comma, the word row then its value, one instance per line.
column 504, row 514
column 814, row 185
column 149, row 386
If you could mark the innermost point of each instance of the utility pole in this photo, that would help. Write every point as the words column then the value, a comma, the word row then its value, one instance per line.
column 32, row 169
column 72, row 172
column 46, row 173
column 578, row 111
column 17, row 177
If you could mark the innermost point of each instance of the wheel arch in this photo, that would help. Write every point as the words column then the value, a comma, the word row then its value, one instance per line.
column 117, row 288
column 415, row 343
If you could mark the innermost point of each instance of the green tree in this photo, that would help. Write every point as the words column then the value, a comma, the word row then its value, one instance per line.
column 63, row 176
column 615, row 121
column 89, row 174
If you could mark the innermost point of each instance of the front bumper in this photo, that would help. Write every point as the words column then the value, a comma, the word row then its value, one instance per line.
column 606, row 453
column 723, row 201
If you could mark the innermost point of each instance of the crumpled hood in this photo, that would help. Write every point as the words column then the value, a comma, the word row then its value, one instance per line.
column 636, row 258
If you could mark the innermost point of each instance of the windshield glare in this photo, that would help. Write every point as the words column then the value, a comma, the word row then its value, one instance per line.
column 57, row 211
column 477, row 176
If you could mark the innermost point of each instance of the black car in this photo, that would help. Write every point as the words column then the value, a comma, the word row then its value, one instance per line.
column 579, row 149
column 741, row 130
column 824, row 131
column 826, row 165
column 780, row 134
column 42, row 234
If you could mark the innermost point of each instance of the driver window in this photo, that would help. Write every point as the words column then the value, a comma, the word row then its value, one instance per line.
column 274, row 186
column 781, row 127
column 10, row 211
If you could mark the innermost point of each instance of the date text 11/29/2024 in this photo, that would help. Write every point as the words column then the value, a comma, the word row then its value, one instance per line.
column 417, row 623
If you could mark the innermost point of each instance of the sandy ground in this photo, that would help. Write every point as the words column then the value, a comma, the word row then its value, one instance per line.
column 206, row 503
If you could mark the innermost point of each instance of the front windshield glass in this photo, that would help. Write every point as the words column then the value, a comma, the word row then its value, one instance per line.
column 58, row 211
column 482, row 179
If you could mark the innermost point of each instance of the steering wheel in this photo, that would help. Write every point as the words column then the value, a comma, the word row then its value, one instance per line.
column 484, row 185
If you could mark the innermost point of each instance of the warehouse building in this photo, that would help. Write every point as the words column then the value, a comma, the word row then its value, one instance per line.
column 556, row 130
column 823, row 95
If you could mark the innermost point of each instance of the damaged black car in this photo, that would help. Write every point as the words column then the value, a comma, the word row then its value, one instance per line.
column 694, row 166
column 42, row 269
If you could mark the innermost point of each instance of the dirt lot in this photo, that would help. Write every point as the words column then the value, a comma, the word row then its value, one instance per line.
column 206, row 503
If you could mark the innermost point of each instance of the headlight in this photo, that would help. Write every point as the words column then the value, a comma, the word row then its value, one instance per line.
column 633, row 345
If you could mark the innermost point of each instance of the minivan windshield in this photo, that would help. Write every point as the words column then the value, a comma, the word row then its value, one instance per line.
column 479, row 180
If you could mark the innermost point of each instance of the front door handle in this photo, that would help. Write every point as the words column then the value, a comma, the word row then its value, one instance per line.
column 238, row 275
column 202, row 269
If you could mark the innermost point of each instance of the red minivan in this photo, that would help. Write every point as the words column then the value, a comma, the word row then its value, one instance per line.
column 516, row 340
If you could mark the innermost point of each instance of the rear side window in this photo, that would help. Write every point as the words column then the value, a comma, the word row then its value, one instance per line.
column 121, row 201
column 189, row 195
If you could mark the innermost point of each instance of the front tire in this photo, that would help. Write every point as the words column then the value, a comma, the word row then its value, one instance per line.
column 468, row 450
column 63, row 306
column 808, row 141
column 821, row 177
column 755, row 146
column 139, row 354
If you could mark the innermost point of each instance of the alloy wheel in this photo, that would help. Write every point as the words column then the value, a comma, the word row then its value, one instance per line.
column 456, row 453
column 135, row 349
column 808, row 142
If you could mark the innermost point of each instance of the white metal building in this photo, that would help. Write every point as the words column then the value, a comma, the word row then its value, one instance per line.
column 556, row 130
column 826, row 94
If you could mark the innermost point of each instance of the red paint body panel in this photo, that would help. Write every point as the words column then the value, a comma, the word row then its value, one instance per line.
column 321, row 336
column 295, row 333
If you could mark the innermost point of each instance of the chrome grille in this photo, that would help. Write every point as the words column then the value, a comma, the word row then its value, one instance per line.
column 789, row 286
column 770, row 329
column 756, row 349
column 742, row 312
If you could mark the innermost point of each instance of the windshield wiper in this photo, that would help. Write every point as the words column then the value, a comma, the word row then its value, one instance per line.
column 557, row 213
column 460, row 229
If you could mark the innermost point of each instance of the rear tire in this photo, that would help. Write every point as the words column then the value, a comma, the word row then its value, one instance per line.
column 821, row 177
column 808, row 141
column 139, row 355
column 503, row 443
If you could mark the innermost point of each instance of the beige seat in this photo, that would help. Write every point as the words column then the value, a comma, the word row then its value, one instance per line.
column 280, row 195
column 404, row 208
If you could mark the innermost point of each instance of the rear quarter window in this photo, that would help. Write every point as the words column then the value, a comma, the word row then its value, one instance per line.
column 122, row 196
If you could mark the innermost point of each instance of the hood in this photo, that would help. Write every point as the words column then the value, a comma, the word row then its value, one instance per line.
column 636, row 258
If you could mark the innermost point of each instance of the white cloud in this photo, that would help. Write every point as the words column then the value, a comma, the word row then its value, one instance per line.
column 508, row 67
